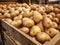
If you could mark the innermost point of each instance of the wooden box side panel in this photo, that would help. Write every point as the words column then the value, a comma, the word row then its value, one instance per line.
column 7, row 35
column 8, row 40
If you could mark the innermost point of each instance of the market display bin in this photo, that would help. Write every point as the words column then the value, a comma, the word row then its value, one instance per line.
column 26, row 39
column 19, row 35
column 9, row 40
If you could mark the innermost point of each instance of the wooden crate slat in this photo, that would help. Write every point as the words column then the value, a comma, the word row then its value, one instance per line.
column 9, row 38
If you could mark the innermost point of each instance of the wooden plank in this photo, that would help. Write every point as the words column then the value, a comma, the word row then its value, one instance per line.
column 19, row 35
column 5, row 43
column 10, row 39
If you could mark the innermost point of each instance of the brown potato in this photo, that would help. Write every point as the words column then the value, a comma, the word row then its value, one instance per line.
column 19, row 9
column 0, row 14
column 9, row 20
column 7, row 15
column 24, row 29
column 55, row 20
column 41, row 9
column 58, row 16
column 33, row 7
column 54, row 25
column 49, row 9
column 52, row 14
column 47, row 22
column 52, row 32
column 16, row 23
column 35, row 30
column 18, row 17
column 43, row 37
column 24, row 5
column 6, row 11
column 37, row 17
column 28, row 22
column 41, row 26
column 56, row 10
column 15, row 13
column 48, row 16
column 59, row 27
column 27, row 13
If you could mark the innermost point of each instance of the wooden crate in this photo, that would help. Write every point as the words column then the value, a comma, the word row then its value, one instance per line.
column 19, row 35
column 26, row 39
column 9, row 40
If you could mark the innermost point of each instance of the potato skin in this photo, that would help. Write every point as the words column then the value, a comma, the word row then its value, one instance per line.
column 54, row 25
column 41, row 26
column 47, row 22
column 52, row 32
column 8, row 20
column 35, row 30
column 37, row 17
column 55, row 20
column 43, row 37
column 16, row 23
column 25, row 29
column 28, row 22
column 18, row 17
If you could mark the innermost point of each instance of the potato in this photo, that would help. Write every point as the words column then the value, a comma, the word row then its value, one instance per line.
column 52, row 32
column 23, row 8
column 41, row 9
column 27, row 13
column 19, row 9
column 37, row 17
column 8, row 20
column 55, row 20
column 4, row 6
column 18, row 5
column 7, row 15
column 33, row 7
column 6, row 11
column 43, row 37
column 15, row 13
column 58, row 16
column 0, row 9
column 28, row 22
column 16, row 23
column 25, row 29
column 52, row 14
column 48, row 16
column 49, row 9
column 47, row 22
column 54, row 25
column 11, row 9
column 56, row 10
column 35, row 30
column 24, row 5
column 41, row 26
column 0, row 14
column 59, row 27
column 18, row 17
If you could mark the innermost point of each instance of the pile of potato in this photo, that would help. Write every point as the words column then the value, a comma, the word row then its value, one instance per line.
column 39, row 21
